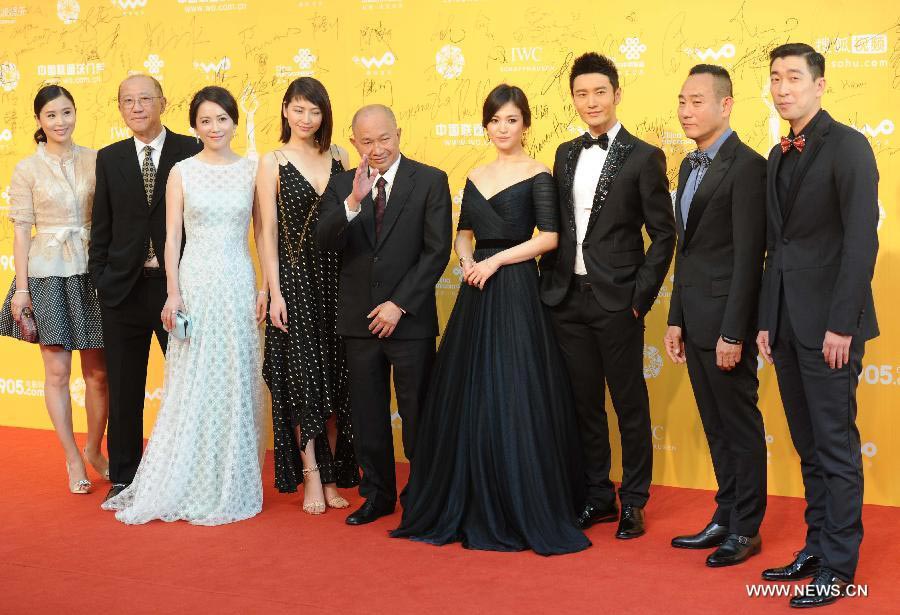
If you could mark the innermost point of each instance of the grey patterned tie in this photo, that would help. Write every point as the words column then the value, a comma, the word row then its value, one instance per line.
column 149, row 173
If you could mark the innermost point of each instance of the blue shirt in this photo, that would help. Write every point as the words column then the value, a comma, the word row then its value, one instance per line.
column 696, row 176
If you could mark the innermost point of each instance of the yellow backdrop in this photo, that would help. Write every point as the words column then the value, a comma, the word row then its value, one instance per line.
column 433, row 61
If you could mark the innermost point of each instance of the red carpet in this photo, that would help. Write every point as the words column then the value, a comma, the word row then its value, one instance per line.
column 61, row 553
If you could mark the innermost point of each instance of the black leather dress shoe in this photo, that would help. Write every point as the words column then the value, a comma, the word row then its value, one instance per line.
column 805, row 565
column 368, row 512
column 632, row 523
column 825, row 588
column 711, row 536
column 594, row 514
column 735, row 550
column 115, row 490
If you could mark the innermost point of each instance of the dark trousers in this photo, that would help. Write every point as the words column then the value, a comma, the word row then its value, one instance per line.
column 127, row 331
column 733, row 424
column 820, row 405
column 607, row 347
column 370, row 362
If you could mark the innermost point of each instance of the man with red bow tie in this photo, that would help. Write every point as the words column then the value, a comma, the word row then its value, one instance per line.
column 817, row 311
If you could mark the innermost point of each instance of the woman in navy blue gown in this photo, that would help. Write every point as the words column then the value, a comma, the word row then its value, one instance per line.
column 497, row 451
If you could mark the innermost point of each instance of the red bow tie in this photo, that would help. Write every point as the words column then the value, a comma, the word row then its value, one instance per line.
column 798, row 142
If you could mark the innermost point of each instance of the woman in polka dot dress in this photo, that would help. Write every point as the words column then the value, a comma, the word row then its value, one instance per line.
column 305, row 366
column 53, row 191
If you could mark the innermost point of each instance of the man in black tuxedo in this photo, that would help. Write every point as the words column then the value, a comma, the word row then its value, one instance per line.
column 128, row 232
column 720, row 212
column 600, row 285
column 390, row 218
column 817, row 310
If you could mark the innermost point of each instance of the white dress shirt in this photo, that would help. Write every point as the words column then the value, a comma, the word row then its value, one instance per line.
column 587, row 175
column 156, row 151
column 388, row 177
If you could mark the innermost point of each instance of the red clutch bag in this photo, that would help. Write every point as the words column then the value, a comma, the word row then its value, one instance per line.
column 27, row 326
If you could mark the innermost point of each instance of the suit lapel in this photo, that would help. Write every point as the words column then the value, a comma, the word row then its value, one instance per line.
column 813, row 146
column 167, row 158
column 130, row 168
column 775, row 212
column 619, row 150
column 683, row 173
column 711, row 180
column 568, row 198
column 403, row 185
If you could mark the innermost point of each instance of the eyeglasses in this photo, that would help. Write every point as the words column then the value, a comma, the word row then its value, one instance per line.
column 128, row 103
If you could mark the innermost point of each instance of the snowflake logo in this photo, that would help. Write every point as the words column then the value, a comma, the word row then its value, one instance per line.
column 5, row 195
column 154, row 64
column 67, row 11
column 9, row 76
column 633, row 48
column 304, row 59
column 653, row 362
column 449, row 61
column 6, row 135
column 882, row 214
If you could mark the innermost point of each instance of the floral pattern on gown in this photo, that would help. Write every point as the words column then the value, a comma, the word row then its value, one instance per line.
column 202, row 463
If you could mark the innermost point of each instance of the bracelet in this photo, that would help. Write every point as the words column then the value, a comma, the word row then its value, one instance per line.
column 263, row 292
column 732, row 341
column 463, row 259
column 24, row 291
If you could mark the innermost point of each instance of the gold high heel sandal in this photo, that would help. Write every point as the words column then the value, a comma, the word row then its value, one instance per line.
column 101, row 470
column 79, row 487
column 313, row 508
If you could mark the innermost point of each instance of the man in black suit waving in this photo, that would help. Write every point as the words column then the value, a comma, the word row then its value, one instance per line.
column 128, row 232
column 600, row 284
column 817, row 310
column 720, row 211
column 390, row 218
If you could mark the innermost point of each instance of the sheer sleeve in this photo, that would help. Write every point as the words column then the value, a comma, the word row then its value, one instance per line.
column 21, row 205
column 464, row 223
column 546, row 205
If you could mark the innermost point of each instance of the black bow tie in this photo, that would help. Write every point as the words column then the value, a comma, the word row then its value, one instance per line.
column 588, row 141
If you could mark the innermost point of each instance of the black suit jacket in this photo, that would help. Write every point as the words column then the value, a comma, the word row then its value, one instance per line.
column 406, row 261
column 822, row 243
column 632, row 194
column 121, row 219
column 718, row 263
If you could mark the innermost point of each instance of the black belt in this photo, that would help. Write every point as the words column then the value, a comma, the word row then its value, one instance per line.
column 153, row 272
column 580, row 282
column 494, row 244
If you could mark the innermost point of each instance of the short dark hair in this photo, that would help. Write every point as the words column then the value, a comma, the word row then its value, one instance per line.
column 499, row 96
column 814, row 60
column 45, row 95
column 313, row 91
column 213, row 94
column 721, row 78
column 593, row 62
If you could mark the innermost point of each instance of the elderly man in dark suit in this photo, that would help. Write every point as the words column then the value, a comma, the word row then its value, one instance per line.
column 390, row 218
column 720, row 211
column 817, row 311
column 128, row 234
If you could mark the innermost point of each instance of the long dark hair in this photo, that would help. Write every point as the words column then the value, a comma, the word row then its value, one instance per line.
column 45, row 95
column 312, row 90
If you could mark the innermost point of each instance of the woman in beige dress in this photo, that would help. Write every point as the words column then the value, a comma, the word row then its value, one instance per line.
column 52, row 191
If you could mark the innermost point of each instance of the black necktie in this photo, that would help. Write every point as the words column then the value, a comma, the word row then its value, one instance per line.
column 380, row 204
column 587, row 141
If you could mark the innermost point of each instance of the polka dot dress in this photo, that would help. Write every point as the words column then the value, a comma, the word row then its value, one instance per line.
column 66, row 312
column 306, row 368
